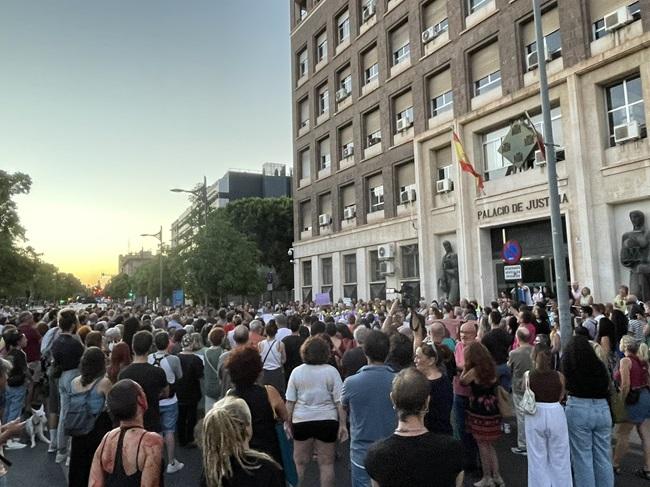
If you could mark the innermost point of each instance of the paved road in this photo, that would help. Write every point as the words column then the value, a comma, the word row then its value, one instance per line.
column 35, row 468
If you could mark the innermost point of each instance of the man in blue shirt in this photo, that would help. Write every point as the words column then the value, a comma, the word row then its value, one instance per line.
column 366, row 396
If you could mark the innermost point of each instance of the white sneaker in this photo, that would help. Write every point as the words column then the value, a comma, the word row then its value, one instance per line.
column 14, row 445
column 175, row 466
column 67, row 462
column 52, row 448
column 60, row 457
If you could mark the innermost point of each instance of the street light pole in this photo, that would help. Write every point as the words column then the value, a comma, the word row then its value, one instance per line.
column 559, row 254
column 160, row 258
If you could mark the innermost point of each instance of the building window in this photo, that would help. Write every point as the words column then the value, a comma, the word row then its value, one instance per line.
column 305, row 216
column 321, row 48
column 487, row 83
column 367, row 9
column 324, row 160
column 552, row 49
column 401, row 54
column 303, row 65
column 343, row 27
column 442, row 103
column 598, row 27
column 434, row 19
column 625, row 105
column 348, row 202
column 371, row 73
column 405, row 176
column 350, row 276
column 306, row 281
column 475, row 5
column 376, row 198
column 372, row 128
column 410, row 262
column 377, row 281
column 305, row 164
column 326, row 275
column 323, row 100
column 496, row 165
column 304, row 113
column 346, row 83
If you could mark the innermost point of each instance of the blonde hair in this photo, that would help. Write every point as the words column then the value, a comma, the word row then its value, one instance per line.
column 629, row 344
column 225, row 437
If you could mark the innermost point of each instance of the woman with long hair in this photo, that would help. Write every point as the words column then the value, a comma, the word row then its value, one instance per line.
column 632, row 376
column 119, row 359
column 228, row 460
column 92, row 386
column 483, row 416
column 547, row 436
column 588, row 414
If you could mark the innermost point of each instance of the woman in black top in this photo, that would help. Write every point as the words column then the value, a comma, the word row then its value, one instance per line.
column 606, row 337
column 413, row 443
column 264, row 402
column 188, row 388
column 228, row 460
column 587, row 413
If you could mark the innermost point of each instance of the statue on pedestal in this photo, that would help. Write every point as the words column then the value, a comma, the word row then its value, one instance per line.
column 635, row 255
column 449, row 283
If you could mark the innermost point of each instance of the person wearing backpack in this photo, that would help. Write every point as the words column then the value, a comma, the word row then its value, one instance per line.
column 87, row 420
column 168, row 405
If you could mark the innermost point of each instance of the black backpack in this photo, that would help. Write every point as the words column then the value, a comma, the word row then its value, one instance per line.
column 157, row 361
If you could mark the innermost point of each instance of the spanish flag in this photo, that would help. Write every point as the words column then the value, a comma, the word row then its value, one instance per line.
column 465, row 165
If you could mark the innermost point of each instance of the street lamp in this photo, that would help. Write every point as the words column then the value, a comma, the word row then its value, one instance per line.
column 201, row 192
column 160, row 239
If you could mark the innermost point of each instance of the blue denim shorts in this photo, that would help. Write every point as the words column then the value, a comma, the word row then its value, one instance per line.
column 169, row 417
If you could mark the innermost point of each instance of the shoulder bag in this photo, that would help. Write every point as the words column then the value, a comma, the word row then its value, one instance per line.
column 528, row 403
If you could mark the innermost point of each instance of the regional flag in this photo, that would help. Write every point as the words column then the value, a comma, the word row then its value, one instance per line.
column 465, row 165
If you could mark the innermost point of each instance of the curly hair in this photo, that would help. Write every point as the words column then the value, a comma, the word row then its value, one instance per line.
column 315, row 351
column 478, row 357
column 244, row 365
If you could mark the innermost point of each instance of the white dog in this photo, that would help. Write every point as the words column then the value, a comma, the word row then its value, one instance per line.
column 36, row 424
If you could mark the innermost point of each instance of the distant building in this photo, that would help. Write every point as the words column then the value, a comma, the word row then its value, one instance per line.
column 131, row 262
column 274, row 181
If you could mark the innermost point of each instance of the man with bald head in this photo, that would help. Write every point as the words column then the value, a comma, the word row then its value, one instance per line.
column 241, row 336
column 468, row 332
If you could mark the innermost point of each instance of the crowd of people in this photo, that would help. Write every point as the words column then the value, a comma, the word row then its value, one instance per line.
column 264, row 392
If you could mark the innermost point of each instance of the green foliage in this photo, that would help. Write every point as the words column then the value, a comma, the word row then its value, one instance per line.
column 269, row 223
column 222, row 261
column 118, row 287
column 146, row 279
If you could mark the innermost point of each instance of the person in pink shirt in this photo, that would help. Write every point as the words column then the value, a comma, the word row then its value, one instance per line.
column 468, row 332
column 526, row 320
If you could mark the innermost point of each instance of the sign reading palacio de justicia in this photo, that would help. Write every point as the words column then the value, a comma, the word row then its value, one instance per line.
column 518, row 207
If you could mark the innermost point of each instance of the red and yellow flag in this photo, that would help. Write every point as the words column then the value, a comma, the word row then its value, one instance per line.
column 465, row 165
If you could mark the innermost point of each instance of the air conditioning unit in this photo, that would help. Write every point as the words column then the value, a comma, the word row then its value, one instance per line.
column 403, row 124
column 407, row 196
column 617, row 19
column 348, row 151
column 540, row 160
column 373, row 140
column 342, row 94
column 368, row 11
column 444, row 185
column 627, row 132
column 349, row 213
column 386, row 268
column 324, row 220
column 386, row 252
column 428, row 35
column 532, row 60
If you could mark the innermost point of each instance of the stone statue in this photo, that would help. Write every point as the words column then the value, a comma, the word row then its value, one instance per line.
column 635, row 255
column 448, row 283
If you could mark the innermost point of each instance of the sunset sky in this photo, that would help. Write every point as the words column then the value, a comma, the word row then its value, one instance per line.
column 109, row 104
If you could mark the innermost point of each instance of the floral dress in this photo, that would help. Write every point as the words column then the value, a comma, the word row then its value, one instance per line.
column 483, row 416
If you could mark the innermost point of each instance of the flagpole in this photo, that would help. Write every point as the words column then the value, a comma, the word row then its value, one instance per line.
column 559, row 254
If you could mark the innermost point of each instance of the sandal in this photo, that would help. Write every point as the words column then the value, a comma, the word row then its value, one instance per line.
column 643, row 473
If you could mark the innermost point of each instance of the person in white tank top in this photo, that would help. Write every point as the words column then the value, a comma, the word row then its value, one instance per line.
column 273, row 357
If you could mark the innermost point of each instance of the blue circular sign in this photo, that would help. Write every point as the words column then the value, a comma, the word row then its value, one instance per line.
column 511, row 252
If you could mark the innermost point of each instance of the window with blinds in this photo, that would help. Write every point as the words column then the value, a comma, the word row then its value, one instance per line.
column 375, row 193
column 348, row 198
column 303, row 106
column 302, row 63
column 434, row 14
column 370, row 65
column 441, row 96
column 345, row 79
column 405, row 176
column 323, row 100
column 343, row 26
column 403, row 107
column 372, row 127
column 326, row 272
column 486, row 69
column 321, row 46
column 443, row 162
column 346, row 141
column 400, row 47
column 552, row 39
column 324, row 160
column 305, row 164
column 350, row 268
column 325, row 204
column 305, row 216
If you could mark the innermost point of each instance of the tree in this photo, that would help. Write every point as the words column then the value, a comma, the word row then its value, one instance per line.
column 269, row 223
column 223, row 261
column 146, row 279
column 118, row 287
